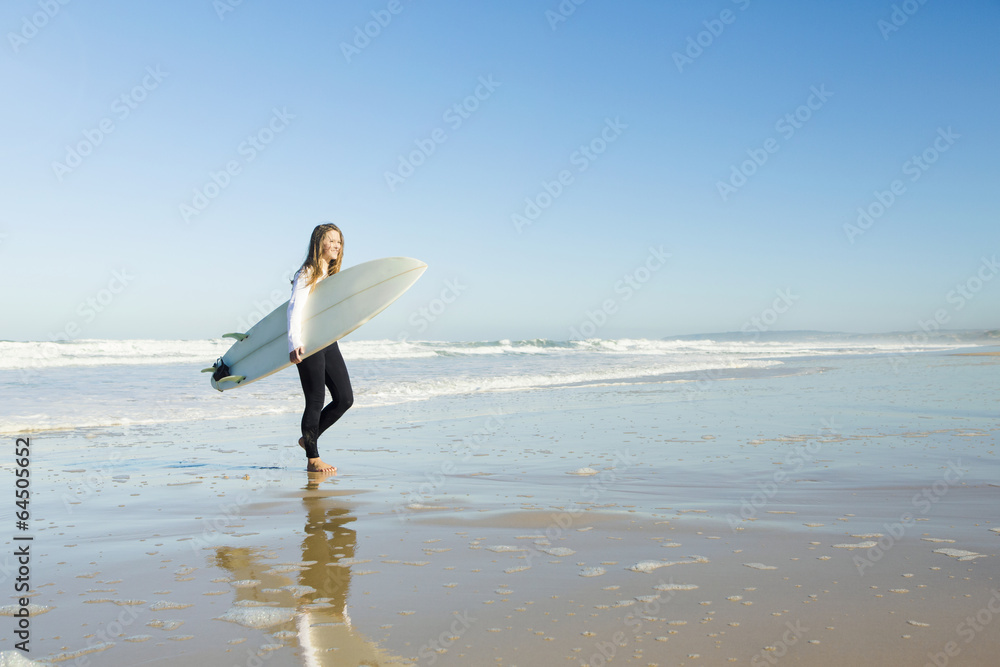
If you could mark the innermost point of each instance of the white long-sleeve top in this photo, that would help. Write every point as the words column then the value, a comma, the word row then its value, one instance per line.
column 296, row 309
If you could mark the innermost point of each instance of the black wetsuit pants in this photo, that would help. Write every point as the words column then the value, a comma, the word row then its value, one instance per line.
column 321, row 371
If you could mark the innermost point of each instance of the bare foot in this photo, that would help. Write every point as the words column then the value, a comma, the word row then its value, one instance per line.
column 317, row 465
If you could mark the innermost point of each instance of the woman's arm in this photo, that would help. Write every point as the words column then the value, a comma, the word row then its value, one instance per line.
column 296, row 308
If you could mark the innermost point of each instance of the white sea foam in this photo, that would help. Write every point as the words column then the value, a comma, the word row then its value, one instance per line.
column 760, row 566
column 558, row 551
column 384, row 373
column 33, row 609
column 168, row 626
column 648, row 566
column 16, row 659
column 163, row 605
column 102, row 352
column 70, row 655
column 258, row 617
column 676, row 587
column 867, row 544
column 960, row 554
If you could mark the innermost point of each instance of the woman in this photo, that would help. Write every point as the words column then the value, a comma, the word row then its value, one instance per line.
column 324, row 369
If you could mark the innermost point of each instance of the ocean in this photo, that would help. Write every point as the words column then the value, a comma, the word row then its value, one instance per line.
column 51, row 386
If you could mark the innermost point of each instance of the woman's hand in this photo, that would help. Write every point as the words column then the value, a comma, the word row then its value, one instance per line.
column 295, row 356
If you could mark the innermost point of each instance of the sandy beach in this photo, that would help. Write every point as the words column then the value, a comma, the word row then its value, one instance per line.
column 840, row 512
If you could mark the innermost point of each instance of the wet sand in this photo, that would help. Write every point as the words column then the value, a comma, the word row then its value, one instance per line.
column 843, row 514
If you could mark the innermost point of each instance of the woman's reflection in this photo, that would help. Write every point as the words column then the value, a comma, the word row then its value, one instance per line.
column 313, row 591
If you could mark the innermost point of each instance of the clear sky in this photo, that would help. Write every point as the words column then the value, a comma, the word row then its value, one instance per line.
column 650, row 168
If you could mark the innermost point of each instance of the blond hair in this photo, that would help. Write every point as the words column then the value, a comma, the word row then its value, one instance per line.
column 312, row 263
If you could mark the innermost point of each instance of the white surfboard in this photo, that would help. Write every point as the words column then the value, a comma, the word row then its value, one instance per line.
column 337, row 306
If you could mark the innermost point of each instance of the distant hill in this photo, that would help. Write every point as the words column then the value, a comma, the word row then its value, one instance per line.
column 971, row 336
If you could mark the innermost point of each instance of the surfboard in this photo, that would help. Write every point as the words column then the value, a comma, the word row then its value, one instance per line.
column 337, row 306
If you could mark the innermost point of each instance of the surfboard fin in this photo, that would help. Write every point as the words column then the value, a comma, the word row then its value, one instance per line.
column 221, row 370
column 237, row 336
column 233, row 378
column 208, row 370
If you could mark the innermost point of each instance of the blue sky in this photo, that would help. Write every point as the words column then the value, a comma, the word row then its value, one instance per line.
column 833, row 100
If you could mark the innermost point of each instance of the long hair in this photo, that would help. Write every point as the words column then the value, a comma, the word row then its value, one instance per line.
column 312, row 264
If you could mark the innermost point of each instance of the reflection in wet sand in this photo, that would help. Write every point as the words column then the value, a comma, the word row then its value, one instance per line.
column 305, row 603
